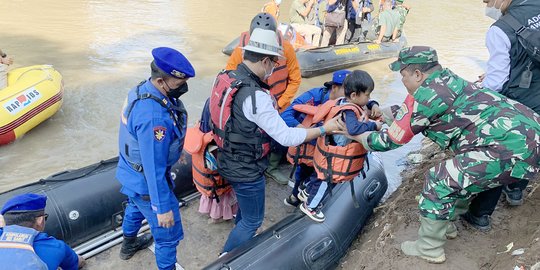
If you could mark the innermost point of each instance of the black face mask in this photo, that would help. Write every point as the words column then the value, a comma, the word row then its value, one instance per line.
column 177, row 92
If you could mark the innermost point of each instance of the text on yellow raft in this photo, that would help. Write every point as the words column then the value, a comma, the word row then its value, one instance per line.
column 370, row 47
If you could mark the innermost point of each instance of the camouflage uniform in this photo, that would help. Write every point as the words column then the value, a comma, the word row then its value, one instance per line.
column 402, row 16
column 495, row 139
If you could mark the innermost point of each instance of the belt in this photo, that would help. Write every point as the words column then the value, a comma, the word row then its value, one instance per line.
column 146, row 197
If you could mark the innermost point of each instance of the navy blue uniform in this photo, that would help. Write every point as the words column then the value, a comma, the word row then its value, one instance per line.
column 151, row 140
column 53, row 252
column 293, row 118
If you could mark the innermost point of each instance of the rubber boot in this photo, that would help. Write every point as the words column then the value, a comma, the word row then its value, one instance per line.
column 431, row 239
column 131, row 245
column 273, row 170
column 461, row 207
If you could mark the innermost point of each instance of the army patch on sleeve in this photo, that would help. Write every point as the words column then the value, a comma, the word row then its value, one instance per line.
column 159, row 133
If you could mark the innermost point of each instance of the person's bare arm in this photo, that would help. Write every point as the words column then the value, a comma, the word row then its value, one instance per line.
column 381, row 34
column 308, row 8
column 330, row 127
column 394, row 34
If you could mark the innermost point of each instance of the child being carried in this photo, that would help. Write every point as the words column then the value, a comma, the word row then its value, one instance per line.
column 337, row 158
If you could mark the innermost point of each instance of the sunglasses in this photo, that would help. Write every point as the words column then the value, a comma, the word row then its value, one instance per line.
column 46, row 216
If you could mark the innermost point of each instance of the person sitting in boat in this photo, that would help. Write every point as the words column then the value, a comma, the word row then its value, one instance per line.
column 272, row 8
column 24, row 245
column 302, row 156
column 218, row 200
column 5, row 61
column 245, row 119
column 283, row 82
column 334, row 22
column 300, row 9
column 494, row 139
column 385, row 28
column 345, row 156
column 289, row 33
column 153, row 125
column 358, row 19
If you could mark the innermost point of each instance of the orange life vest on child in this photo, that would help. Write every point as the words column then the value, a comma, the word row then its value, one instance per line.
column 206, row 180
column 303, row 153
column 280, row 77
column 338, row 163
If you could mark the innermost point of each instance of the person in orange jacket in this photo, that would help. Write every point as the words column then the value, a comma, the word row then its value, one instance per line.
column 285, row 80
column 272, row 8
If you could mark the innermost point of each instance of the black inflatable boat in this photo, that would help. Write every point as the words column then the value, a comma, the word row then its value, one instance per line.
column 297, row 242
column 85, row 209
column 314, row 62
column 85, row 203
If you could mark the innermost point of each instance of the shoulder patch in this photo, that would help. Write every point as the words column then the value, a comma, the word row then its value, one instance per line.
column 159, row 133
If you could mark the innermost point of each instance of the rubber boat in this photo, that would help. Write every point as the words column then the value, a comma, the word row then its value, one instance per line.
column 33, row 95
column 85, row 209
column 317, row 61
column 85, row 203
column 297, row 242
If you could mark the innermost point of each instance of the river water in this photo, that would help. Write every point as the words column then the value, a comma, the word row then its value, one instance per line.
column 102, row 48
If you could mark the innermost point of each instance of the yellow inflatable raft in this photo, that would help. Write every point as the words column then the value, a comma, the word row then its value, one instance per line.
column 33, row 94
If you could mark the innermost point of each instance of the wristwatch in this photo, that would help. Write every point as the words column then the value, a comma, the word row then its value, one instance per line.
column 322, row 130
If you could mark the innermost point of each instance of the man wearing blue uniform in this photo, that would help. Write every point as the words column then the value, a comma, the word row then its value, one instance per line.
column 152, row 131
column 23, row 245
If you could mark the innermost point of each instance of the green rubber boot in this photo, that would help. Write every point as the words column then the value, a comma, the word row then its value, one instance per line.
column 451, row 231
column 273, row 170
column 431, row 239
column 461, row 207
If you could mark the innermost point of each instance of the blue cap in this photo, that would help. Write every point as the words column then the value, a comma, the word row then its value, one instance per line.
column 173, row 62
column 27, row 202
column 339, row 76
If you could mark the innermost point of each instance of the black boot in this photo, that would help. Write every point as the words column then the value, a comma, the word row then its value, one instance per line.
column 481, row 223
column 131, row 245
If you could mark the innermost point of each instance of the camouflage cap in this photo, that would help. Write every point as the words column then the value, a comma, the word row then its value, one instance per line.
column 414, row 55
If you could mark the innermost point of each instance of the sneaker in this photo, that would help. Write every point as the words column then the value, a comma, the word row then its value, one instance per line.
column 481, row 223
column 222, row 254
column 303, row 195
column 291, row 201
column 315, row 214
column 514, row 196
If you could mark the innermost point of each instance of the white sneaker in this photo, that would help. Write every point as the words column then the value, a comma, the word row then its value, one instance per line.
column 315, row 214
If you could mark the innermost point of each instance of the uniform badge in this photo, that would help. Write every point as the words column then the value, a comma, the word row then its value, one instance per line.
column 178, row 74
column 402, row 112
column 159, row 133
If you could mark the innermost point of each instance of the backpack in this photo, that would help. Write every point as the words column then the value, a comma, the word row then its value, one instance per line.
column 528, row 38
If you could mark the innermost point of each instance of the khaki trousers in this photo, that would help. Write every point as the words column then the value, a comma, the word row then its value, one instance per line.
column 311, row 33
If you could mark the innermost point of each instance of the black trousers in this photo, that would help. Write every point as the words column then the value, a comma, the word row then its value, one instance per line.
column 485, row 202
column 354, row 32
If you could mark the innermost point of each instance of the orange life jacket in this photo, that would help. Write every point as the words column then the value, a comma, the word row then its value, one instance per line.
column 303, row 153
column 339, row 163
column 279, row 79
column 206, row 180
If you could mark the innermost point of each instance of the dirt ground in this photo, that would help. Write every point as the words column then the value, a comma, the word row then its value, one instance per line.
column 377, row 247
column 396, row 221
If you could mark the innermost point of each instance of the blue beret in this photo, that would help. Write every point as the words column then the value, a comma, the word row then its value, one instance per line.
column 173, row 62
column 339, row 76
column 26, row 202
